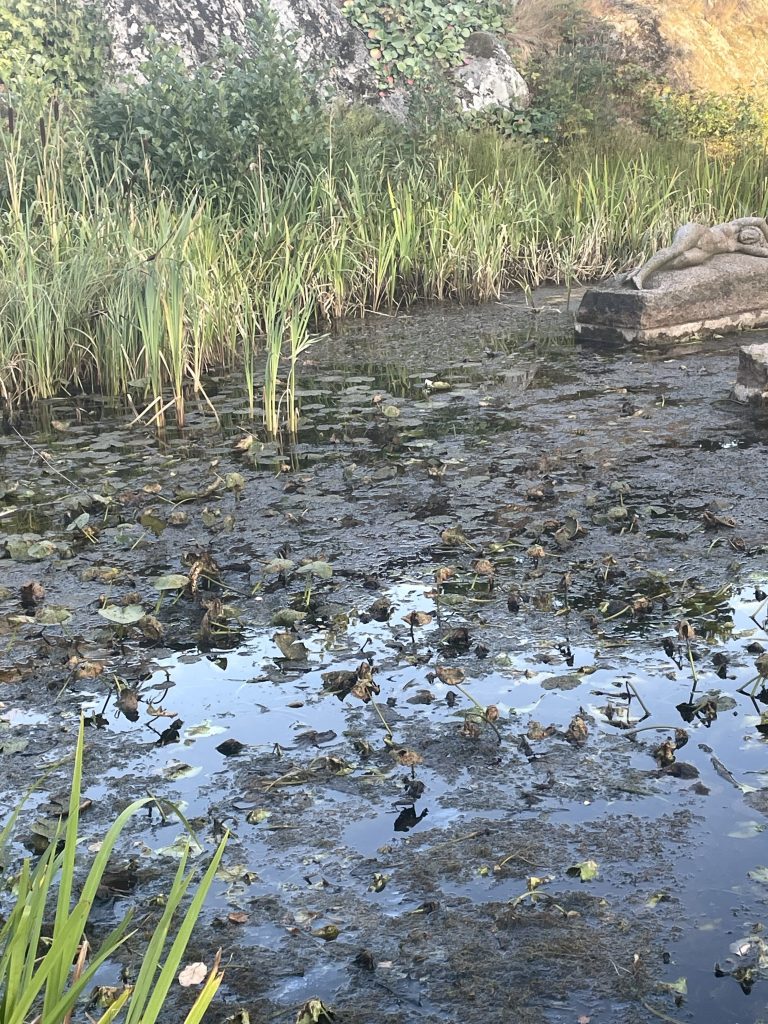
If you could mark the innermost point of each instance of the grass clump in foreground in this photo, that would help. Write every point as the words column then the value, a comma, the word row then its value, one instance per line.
column 46, row 964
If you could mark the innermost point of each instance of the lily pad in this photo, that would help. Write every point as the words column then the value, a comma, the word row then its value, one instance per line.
column 53, row 615
column 288, row 617
column 586, row 870
column 175, row 581
column 569, row 681
column 120, row 615
column 323, row 570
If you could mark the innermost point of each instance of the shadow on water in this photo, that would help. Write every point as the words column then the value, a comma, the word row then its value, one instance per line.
column 470, row 668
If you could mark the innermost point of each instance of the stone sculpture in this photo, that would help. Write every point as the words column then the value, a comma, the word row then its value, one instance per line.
column 709, row 280
column 694, row 244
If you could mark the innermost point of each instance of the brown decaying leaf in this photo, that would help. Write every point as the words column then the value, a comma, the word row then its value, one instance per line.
column 685, row 630
column 203, row 572
column 85, row 669
column 664, row 754
column 31, row 593
column 128, row 703
column 359, row 683
column 449, row 675
column 536, row 731
column 418, row 618
column 365, row 687
column 578, row 731
column 454, row 536
column 457, row 638
column 291, row 647
column 408, row 758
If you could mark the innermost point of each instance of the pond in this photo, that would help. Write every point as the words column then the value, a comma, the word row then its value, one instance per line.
column 470, row 668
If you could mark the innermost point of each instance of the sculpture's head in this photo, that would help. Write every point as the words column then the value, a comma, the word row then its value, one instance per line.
column 751, row 236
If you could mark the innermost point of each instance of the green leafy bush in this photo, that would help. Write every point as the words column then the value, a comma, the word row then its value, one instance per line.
column 590, row 82
column 250, row 107
column 406, row 39
column 65, row 43
column 728, row 122
column 530, row 123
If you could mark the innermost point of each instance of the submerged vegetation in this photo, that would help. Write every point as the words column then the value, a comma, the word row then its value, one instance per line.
column 220, row 219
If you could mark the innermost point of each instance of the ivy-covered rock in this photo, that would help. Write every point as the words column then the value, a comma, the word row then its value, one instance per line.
column 362, row 48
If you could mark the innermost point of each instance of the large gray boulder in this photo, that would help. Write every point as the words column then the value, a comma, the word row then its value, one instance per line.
column 488, row 78
column 727, row 293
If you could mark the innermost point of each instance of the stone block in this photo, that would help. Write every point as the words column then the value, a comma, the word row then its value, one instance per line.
column 727, row 293
column 752, row 378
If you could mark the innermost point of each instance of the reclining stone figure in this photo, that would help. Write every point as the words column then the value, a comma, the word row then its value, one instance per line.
column 694, row 244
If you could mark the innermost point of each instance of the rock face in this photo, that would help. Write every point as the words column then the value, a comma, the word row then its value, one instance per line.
column 489, row 78
column 325, row 40
column 324, row 36
column 716, row 45
column 752, row 380
column 727, row 293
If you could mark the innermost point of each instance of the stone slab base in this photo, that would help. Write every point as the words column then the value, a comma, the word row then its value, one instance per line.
column 729, row 293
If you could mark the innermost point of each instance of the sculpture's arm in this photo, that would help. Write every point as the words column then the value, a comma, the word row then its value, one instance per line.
column 754, row 250
column 752, row 222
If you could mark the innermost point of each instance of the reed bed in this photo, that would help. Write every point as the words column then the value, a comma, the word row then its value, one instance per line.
column 143, row 293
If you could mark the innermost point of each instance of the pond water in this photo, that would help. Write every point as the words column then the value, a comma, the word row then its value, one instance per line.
column 469, row 668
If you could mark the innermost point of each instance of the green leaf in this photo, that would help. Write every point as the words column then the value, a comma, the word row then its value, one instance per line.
column 586, row 870
column 323, row 570
column 120, row 615
column 174, row 581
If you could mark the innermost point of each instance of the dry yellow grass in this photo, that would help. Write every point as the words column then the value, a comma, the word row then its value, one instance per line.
column 722, row 44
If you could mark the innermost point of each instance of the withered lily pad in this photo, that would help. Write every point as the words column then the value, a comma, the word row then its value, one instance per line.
column 291, row 647
column 315, row 1012
column 278, row 566
column 231, row 748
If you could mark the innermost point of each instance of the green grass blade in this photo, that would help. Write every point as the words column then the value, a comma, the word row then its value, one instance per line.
column 170, row 967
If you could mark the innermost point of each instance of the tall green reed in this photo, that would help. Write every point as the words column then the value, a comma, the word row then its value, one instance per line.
column 145, row 293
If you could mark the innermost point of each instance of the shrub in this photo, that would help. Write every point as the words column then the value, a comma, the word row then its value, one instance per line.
column 251, row 106
column 727, row 123
column 407, row 39
column 64, row 44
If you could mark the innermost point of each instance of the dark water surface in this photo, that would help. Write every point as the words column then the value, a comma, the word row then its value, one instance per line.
column 585, row 533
